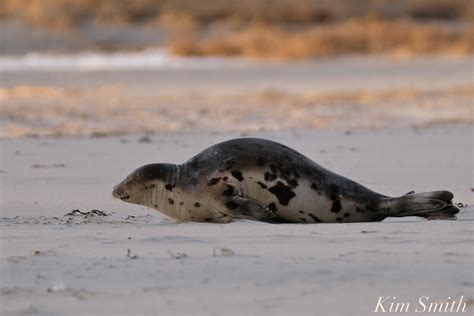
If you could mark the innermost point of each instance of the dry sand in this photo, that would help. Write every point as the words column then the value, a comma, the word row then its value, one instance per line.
column 135, row 261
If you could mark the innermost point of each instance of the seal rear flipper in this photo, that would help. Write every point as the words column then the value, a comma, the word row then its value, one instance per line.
column 430, row 205
column 245, row 208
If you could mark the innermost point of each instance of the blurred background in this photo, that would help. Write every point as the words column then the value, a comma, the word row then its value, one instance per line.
column 107, row 67
column 283, row 29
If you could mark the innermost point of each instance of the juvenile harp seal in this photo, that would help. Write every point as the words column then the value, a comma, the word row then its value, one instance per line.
column 259, row 179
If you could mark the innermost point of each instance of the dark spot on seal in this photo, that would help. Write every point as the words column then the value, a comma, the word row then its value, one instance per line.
column 263, row 186
column 335, row 197
column 197, row 204
column 270, row 176
column 189, row 211
column 339, row 219
column 336, row 206
column 155, row 205
column 261, row 161
column 225, row 178
column 169, row 186
column 181, row 203
column 347, row 214
column 284, row 170
column 315, row 218
column 272, row 207
column 229, row 191
column 231, row 205
column 213, row 181
column 302, row 219
column 208, row 220
column 301, row 212
column 292, row 183
column 314, row 187
column 237, row 174
column 194, row 181
column 335, row 192
column 150, row 186
column 283, row 193
column 170, row 201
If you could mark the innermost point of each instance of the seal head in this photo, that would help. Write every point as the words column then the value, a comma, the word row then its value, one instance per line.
column 145, row 183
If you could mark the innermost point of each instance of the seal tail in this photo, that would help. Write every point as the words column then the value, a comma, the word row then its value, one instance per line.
column 430, row 205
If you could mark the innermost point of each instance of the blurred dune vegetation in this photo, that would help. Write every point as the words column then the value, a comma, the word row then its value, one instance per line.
column 271, row 29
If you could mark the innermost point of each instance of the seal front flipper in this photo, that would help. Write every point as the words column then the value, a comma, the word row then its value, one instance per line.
column 245, row 208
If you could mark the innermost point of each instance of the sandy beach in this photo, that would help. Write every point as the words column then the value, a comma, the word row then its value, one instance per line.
column 378, row 91
column 136, row 261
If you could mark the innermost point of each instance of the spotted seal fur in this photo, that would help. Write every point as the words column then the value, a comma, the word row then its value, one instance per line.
column 258, row 179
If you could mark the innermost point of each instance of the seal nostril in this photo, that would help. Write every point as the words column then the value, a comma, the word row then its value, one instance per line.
column 118, row 192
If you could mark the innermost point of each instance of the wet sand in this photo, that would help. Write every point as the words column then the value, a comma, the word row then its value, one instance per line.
column 237, row 76
column 237, row 96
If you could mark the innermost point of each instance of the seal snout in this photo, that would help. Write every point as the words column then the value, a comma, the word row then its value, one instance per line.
column 119, row 192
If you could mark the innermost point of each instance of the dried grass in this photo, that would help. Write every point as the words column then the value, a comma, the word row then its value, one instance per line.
column 361, row 36
column 280, row 29
column 73, row 13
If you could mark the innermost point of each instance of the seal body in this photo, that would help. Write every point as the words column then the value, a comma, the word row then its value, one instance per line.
column 258, row 179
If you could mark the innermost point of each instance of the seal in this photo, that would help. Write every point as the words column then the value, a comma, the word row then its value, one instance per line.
column 259, row 179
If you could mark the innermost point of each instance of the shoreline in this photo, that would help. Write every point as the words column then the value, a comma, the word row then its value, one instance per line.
column 345, row 93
